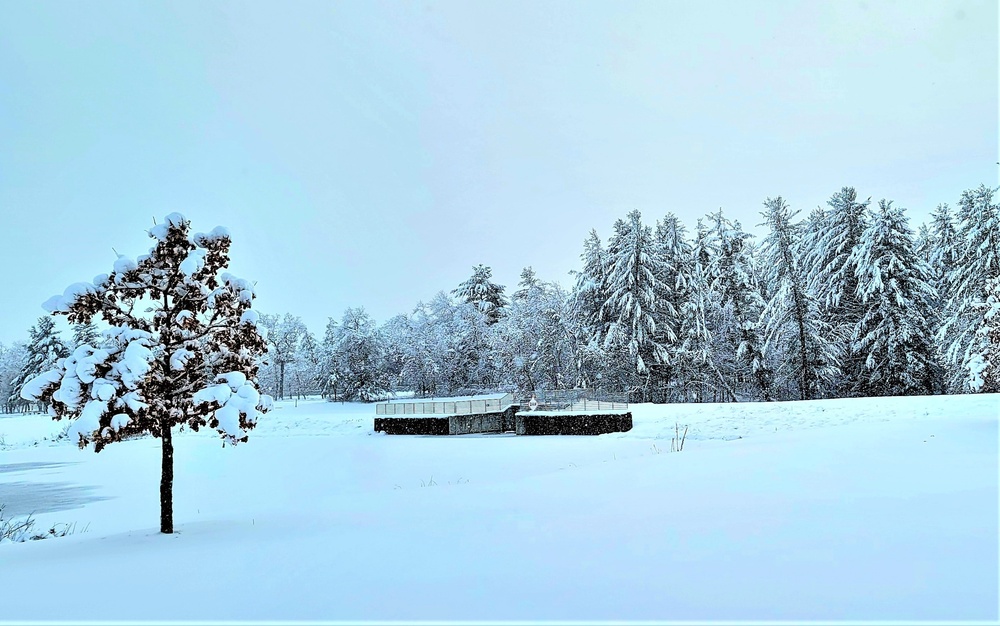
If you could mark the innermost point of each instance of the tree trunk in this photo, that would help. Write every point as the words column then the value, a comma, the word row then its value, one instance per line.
column 281, row 380
column 166, row 479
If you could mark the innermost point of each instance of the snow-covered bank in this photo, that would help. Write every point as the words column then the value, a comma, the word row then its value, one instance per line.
column 845, row 509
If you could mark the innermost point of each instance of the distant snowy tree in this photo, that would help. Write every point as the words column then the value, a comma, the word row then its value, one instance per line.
column 422, row 350
column 833, row 274
column 45, row 348
column 982, row 362
column 284, row 336
column 733, row 278
column 977, row 264
column 303, row 373
column 484, row 294
column 359, row 357
column 590, row 290
column 182, row 349
column 12, row 361
column 676, row 259
column 632, row 306
column 792, row 313
column 695, row 351
column 528, row 285
column 532, row 346
column 85, row 334
column 895, row 334
column 394, row 333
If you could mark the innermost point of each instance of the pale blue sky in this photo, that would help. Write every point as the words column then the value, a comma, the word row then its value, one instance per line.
column 370, row 153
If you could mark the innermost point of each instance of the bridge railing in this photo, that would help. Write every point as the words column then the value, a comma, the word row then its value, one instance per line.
column 445, row 407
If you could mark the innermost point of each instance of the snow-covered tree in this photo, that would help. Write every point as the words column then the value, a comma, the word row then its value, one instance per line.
column 182, row 349
column 420, row 347
column 983, row 361
column 483, row 293
column 12, row 361
column 793, row 318
column 358, row 357
column 673, row 289
column 694, row 354
column 284, row 336
column 303, row 374
column 590, row 289
column 45, row 348
column 977, row 265
column 733, row 278
column 85, row 334
column 833, row 275
column 531, row 345
column 394, row 334
column 895, row 333
column 632, row 306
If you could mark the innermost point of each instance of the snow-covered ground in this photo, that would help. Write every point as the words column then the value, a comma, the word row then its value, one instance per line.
column 858, row 509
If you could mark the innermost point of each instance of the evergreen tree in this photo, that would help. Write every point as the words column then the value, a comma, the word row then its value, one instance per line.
column 978, row 263
column 484, row 294
column 733, row 279
column 673, row 289
column 359, row 357
column 528, row 285
column 943, row 255
column 12, row 362
column 983, row 361
column 895, row 333
column 191, row 359
column 695, row 352
column 793, row 317
column 833, row 274
column 531, row 345
column 632, row 305
column 45, row 348
column 590, row 289
column 85, row 334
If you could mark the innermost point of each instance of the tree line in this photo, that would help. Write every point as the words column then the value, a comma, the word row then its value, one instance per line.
column 848, row 300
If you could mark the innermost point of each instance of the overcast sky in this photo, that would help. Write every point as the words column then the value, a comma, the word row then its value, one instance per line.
column 370, row 153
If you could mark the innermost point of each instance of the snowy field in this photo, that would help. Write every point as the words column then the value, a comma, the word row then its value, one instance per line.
column 859, row 509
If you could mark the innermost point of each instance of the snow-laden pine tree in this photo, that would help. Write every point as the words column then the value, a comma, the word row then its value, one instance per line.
column 45, row 348
column 590, row 291
column 394, row 334
column 421, row 347
column 673, row 289
column 895, row 333
column 480, row 291
column 983, row 361
column 632, row 306
column 978, row 264
column 733, row 279
column 358, row 357
column 792, row 314
column 833, row 276
column 531, row 345
column 694, row 352
column 12, row 360
column 943, row 254
column 85, row 334
column 182, row 349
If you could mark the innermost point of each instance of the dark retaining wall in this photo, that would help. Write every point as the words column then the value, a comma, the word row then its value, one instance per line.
column 510, row 419
column 528, row 424
column 412, row 425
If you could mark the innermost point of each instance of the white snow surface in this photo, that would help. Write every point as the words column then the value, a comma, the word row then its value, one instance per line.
column 859, row 509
